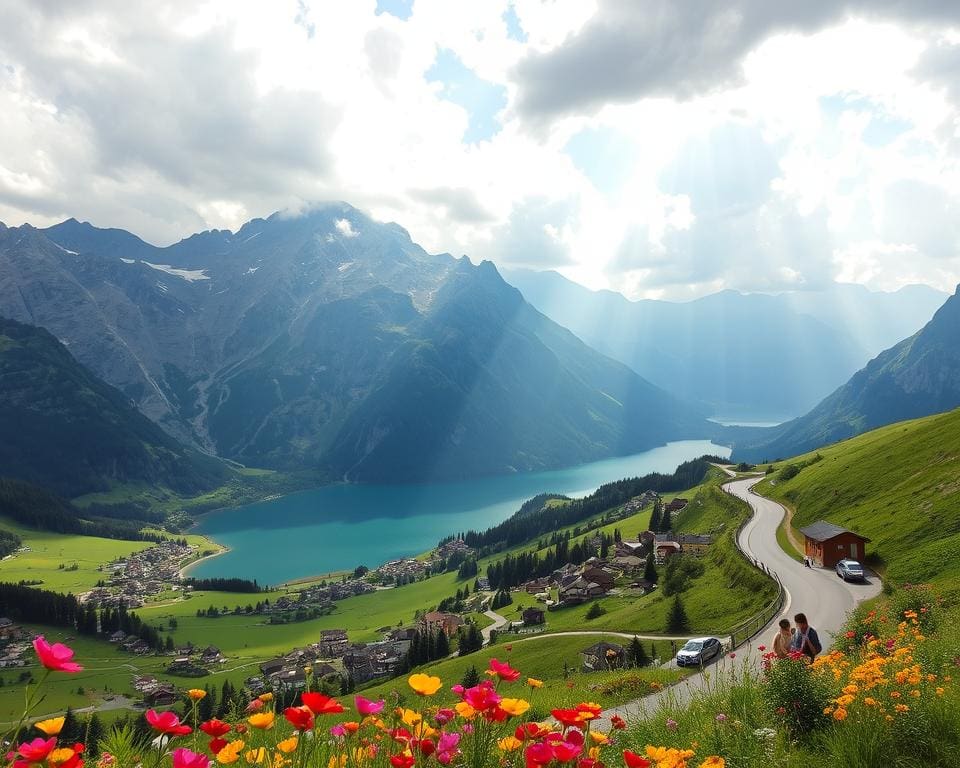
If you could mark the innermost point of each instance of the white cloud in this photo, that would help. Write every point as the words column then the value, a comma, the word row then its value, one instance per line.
column 345, row 228
column 800, row 144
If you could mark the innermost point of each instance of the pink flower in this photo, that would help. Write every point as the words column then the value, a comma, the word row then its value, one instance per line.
column 184, row 758
column 671, row 724
column 447, row 748
column 255, row 706
column 444, row 715
column 482, row 697
column 338, row 730
column 366, row 707
column 458, row 689
column 55, row 657
column 36, row 751
column 502, row 670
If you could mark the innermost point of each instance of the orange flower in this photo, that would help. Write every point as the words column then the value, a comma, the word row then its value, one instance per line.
column 288, row 745
column 230, row 753
column 51, row 727
column 534, row 683
column 515, row 707
column 261, row 720
column 425, row 685
column 195, row 694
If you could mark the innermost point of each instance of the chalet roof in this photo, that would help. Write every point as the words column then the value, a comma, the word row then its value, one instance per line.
column 824, row 531
column 601, row 648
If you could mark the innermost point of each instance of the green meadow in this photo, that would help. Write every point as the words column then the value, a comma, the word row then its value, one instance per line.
column 898, row 485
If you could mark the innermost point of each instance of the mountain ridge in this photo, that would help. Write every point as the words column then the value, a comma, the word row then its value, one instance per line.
column 281, row 345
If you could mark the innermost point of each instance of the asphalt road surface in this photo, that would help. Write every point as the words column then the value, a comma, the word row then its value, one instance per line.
column 819, row 593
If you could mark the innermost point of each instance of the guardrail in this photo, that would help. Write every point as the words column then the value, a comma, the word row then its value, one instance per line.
column 747, row 629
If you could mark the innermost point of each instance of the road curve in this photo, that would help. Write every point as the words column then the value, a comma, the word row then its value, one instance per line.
column 826, row 599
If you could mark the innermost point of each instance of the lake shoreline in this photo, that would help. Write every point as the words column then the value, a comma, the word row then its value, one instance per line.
column 331, row 529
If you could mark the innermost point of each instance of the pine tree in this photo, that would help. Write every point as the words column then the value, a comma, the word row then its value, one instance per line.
column 655, row 516
column 650, row 571
column 677, row 621
column 443, row 645
column 470, row 678
column 666, row 522
column 636, row 654
column 94, row 735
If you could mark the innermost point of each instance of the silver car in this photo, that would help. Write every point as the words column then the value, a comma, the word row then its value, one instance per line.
column 850, row 570
column 698, row 651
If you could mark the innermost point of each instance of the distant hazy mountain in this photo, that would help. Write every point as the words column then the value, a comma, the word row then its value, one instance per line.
column 917, row 377
column 329, row 341
column 741, row 355
column 66, row 430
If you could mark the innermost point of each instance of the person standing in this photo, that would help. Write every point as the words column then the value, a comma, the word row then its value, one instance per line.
column 805, row 639
column 782, row 640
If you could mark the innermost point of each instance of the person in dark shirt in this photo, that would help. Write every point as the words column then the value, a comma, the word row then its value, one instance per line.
column 805, row 639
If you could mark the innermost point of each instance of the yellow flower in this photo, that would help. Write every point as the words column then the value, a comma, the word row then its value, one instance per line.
column 337, row 761
column 599, row 738
column 534, row 683
column 410, row 717
column 230, row 753
column 939, row 691
column 287, row 745
column 870, row 701
column 464, row 710
column 256, row 756
column 425, row 685
column 509, row 744
column 265, row 697
column 515, row 707
column 262, row 720
column 714, row 761
column 53, row 726
column 902, row 708
column 196, row 694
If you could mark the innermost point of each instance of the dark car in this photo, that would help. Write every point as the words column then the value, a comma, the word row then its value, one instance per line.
column 850, row 570
column 698, row 651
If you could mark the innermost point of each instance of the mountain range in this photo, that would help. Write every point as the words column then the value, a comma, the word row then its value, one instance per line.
column 66, row 430
column 917, row 377
column 329, row 342
column 742, row 356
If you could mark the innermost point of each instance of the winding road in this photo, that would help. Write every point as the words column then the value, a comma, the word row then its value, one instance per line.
column 819, row 593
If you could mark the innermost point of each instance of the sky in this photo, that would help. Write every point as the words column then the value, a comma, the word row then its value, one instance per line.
column 662, row 149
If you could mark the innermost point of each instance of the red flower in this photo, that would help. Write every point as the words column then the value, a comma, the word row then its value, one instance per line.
column 167, row 722
column 589, row 708
column 36, row 751
column 55, row 657
column 217, row 744
column 851, row 634
column 618, row 722
column 565, row 751
column 215, row 727
column 320, row 704
column 538, row 754
column 633, row 760
column 761, row 647
column 530, row 731
column 733, row 655
column 503, row 670
column 570, row 717
column 401, row 761
column 427, row 747
column 301, row 718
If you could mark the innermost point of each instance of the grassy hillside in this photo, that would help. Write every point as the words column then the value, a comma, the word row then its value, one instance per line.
column 898, row 485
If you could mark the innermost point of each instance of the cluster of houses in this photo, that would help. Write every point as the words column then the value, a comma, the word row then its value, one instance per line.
column 334, row 654
column 155, row 693
column 400, row 571
column 134, row 579
column 14, row 644
column 328, row 593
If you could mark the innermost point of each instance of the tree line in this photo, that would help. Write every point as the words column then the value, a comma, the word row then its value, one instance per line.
column 220, row 584
column 535, row 518
column 44, row 511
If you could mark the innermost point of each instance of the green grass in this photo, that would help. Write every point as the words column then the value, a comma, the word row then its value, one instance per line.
column 48, row 551
column 899, row 486
column 554, row 660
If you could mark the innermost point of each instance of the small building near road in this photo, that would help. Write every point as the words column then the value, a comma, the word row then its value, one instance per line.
column 603, row 657
column 827, row 544
column 533, row 616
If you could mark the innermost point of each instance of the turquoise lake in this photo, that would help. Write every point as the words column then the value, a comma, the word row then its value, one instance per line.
column 341, row 526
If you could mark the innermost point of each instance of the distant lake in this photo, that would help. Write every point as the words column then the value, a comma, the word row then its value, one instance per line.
column 341, row 526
